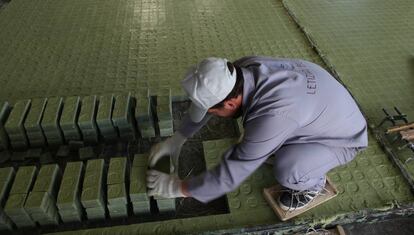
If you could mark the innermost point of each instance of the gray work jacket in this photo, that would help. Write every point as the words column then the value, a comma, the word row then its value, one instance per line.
column 285, row 101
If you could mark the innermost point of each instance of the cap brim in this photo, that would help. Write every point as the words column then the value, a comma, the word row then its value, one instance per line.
column 196, row 113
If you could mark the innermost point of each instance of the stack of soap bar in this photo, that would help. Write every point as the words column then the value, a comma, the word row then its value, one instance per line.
column 122, row 116
column 138, row 185
column 143, row 114
column 68, row 202
column 32, row 125
column 93, row 198
column 104, row 118
column 41, row 202
column 6, row 179
column 164, row 113
column 14, row 208
column 69, row 119
column 4, row 114
column 164, row 204
column 118, row 172
column 86, row 121
column 50, row 122
column 15, row 125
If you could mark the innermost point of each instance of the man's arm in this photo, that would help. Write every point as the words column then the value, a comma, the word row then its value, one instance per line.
column 263, row 136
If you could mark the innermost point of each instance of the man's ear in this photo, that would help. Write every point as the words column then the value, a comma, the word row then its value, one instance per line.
column 231, row 104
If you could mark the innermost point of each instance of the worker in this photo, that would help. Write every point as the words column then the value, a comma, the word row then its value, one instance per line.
column 290, row 108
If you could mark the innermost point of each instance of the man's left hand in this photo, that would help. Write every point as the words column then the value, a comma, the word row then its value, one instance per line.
column 164, row 185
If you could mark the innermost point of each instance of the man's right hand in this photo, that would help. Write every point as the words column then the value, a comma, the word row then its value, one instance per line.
column 170, row 147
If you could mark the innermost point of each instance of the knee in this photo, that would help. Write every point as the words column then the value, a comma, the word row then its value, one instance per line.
column 284, row 174
column 292, row 176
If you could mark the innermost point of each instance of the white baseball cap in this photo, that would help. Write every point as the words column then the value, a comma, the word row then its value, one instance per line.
column 207, row 84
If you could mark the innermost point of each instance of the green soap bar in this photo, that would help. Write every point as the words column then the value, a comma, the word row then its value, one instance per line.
column 95, row 214
column 38, row 202
column 69, row 119
column 143, row 106
column 50, row 122
column 15, row 203
column 67, row 198
column 143, row 114
column 52, row 113
column 138, row 184
column 104, row 116
column 4, row 114
column 94, row 165
column 92, row 179
column 140, row 160
column 32, row 124
column 17, row 117
column 142, row 207
column 74, row 167
column 88, row 112
column 147, row 132
column 71, row 219
column 15, row 124
column 117, row 194
column 92, row 197
column 7, row 175
column 117, row 171
column 94, row 173
column 48, row 179
column 166, row 205
column 122, row 110
column 167, row 124
column 166, row 132
column 87, row 119
column 164, row 106
column 24, row 180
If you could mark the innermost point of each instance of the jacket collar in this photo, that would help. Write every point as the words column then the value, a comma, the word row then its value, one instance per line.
column 248, row 91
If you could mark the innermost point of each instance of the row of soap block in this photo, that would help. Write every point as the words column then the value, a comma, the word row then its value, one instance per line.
column 94, row 190
column 54, row 121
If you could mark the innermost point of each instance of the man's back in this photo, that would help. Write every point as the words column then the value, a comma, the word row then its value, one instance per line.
column 304, row 92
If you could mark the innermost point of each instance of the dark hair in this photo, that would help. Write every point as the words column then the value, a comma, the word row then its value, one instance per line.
column 238, row 87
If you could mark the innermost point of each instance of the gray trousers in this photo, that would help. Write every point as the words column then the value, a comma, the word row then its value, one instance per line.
column 304, row 166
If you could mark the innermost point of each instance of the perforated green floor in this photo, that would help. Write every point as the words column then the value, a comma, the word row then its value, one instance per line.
column 368, row 182
column 370, row 45
column 90, row 47
column 82, row 47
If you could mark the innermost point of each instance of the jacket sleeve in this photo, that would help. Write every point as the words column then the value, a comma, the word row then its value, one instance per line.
column 263, row 136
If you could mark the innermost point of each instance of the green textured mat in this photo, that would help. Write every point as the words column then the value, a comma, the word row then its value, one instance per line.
column 370, row 46
column 83, row 47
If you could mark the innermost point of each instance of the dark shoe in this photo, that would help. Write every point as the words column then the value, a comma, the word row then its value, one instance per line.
column 291, row 200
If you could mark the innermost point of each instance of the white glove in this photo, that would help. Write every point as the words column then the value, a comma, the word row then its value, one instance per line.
column 164, row 185
column 170, row 147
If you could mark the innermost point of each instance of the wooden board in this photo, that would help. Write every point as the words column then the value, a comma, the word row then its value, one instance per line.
column 272, row 194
